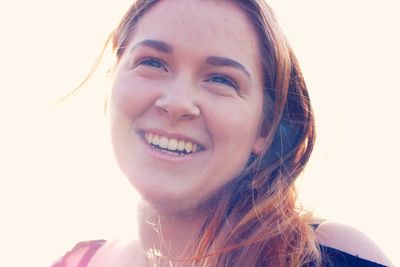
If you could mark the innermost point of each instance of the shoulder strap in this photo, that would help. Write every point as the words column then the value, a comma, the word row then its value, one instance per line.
column 334, row 257
column 93, row 246
column 88, row 248
column 316, row 223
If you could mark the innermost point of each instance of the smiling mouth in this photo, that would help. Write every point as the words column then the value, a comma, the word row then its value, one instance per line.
column 171, row 145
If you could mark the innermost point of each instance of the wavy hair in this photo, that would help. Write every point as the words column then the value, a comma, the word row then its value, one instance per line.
column 254, row 220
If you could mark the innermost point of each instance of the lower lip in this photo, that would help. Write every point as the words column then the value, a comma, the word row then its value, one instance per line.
column 160, row 155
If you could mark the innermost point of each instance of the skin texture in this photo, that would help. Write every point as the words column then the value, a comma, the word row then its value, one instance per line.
column 181, row 91
column 178, row 92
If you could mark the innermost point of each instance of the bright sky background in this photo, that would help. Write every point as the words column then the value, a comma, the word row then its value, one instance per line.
column 58, row 180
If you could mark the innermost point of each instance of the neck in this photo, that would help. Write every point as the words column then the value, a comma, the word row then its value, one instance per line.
column 171, row 235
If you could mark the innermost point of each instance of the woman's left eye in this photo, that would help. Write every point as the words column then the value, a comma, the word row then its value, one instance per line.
column 222, row 79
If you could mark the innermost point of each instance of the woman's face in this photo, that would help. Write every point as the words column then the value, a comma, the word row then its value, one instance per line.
column 186, row 102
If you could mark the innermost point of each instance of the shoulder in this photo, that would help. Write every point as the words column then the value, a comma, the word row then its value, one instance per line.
column 119, row 252
column 80, row 254
column 101, row 253
column 350, row 240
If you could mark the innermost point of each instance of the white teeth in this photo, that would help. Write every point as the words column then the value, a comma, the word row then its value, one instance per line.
column 156, row 140
column 188, row 147
column 163, row 142
column 181, row 145
column 170, row 144
column 149, row 138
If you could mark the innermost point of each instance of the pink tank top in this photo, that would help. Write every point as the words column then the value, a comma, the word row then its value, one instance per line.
column 90, row 248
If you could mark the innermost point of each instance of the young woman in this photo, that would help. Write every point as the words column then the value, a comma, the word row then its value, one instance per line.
column 212, row 124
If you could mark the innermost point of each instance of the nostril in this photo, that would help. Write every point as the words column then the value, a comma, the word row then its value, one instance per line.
column 161, row 105
column 186, row 116
column 177, row 108
column 192, row 112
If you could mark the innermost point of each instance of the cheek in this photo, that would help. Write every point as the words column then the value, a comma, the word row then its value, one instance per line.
column 233, row 129
column 123, row 100
column 234, row 122
column 126, row 104
column 130, row 97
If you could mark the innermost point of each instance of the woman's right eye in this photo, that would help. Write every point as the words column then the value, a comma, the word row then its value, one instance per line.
column 152, row 63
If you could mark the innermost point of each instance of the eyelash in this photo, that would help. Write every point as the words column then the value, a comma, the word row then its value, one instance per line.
column 214, row 78
column 224, row 80
column 152, row 63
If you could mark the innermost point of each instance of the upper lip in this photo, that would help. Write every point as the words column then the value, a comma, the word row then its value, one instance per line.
column 170, row 135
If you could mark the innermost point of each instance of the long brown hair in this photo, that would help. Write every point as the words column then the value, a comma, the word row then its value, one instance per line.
column 255, row 221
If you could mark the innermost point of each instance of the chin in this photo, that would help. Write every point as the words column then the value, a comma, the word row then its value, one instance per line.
column 166, row 201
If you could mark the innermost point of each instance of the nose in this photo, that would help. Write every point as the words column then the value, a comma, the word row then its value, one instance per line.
column 178, row 102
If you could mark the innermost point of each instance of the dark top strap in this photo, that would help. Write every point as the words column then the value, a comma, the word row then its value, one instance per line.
column 336, row 258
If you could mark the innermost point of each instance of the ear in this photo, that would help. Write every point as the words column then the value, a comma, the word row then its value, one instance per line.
column 259, row 145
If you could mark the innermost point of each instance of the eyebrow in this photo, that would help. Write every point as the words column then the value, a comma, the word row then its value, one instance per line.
column 155, row 44
column 223, row 61
column 212, row 60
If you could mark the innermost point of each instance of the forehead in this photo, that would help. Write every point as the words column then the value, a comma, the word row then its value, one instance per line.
column 217, row 26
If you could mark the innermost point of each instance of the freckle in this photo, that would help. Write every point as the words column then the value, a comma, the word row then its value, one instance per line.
column 213, row 28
